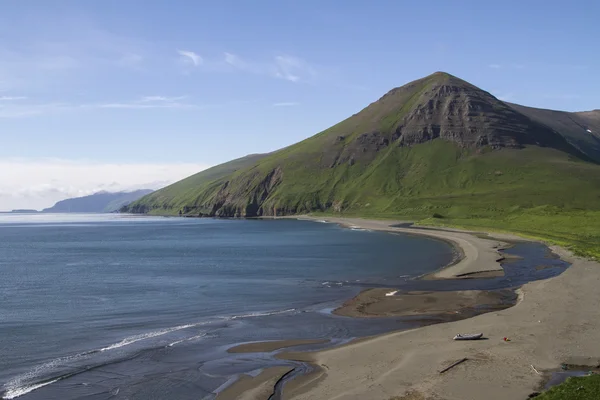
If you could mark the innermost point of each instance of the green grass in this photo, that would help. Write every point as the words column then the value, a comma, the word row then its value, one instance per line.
column 578, row 231
column 576, row 388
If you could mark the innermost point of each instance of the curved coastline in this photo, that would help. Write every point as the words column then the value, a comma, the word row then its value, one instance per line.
column 406, row 363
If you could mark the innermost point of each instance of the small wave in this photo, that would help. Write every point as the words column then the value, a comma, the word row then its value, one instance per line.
column 23, row 384
column 262, row 314
column 133, row 339
column 323, row 221
column 187, row 339
column 20, row 391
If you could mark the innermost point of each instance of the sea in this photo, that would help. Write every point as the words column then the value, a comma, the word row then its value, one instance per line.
column 112, row 306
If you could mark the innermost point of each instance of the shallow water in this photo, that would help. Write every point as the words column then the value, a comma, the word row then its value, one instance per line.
column 97, row 306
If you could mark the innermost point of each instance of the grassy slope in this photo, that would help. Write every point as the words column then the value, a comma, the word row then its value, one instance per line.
column 171, row 199
column 538, row 193
column 582, row 388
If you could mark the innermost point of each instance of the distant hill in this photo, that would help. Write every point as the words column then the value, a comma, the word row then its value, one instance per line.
column 435, row 146
column 101, row 202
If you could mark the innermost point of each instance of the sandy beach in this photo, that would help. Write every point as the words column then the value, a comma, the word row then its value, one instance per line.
column 554, row 321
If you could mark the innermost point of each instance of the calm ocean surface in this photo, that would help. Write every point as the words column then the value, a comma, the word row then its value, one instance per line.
column 110, row 306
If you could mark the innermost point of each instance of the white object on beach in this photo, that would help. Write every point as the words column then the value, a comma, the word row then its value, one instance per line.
column 391, row 293
column 468, row 336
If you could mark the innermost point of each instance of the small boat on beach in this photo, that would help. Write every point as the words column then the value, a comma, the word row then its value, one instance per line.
column 468, row 336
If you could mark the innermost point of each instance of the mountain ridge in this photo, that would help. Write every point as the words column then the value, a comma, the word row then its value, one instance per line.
column 99, row 202
column 420, row 149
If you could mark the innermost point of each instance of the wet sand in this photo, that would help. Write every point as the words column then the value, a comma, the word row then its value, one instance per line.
column 380, row 303
column 267, row 347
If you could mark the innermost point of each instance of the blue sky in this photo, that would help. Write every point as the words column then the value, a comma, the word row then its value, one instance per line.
column 146, row 92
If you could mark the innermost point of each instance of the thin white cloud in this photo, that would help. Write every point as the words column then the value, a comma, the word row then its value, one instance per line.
column 12, row 98
column 30, row 110
column 190, row 57
column 14, row 110
column 140, row 106
column 39, row 183
column 286, row 104
column 235, row 61
column 293, row 69
column 285, row 67
column 148, row 99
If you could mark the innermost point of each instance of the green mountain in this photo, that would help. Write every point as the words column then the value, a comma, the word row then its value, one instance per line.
column 101, row 202
column 438, row 145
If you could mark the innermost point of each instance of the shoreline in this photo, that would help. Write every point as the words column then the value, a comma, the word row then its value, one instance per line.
column 474, row 254
column 406, row 363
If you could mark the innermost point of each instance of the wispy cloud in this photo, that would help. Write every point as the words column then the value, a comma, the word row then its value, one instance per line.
column 285, row 67
column 148, row 99
column 507, row 66
column 23, row 110
column 139, row 106
column 286, row 104
column 39, row 183
column 293, row 69
column 12, row 98
column 189, row 57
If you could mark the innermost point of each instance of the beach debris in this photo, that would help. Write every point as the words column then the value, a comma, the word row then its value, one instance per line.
column 391, row 293
column 468, row 336
column 536, row 371
column 506, row 339
column 453, row 365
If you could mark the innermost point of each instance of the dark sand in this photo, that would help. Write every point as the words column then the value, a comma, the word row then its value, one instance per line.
column 267, row 347
column 379, row 303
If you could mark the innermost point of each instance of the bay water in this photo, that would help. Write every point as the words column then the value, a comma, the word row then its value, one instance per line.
column 119, row 306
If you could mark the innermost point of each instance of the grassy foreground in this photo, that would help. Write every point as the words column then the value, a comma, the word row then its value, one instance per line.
column 583, row 388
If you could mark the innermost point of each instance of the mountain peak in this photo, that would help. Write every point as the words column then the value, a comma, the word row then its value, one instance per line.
column 399, row 153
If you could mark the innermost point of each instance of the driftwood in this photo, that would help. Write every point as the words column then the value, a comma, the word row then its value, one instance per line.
column 453, row 365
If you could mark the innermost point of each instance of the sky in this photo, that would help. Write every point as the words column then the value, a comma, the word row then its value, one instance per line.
column 126, row 94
